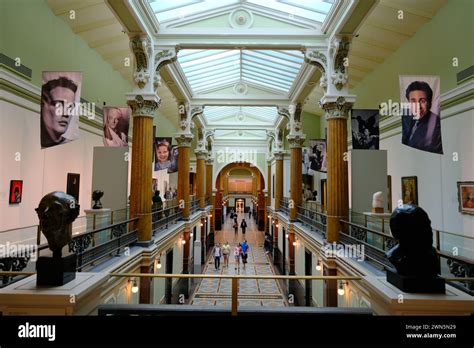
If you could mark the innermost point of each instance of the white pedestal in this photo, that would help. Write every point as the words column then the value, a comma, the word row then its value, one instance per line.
column 78, row 297
column 386, row 299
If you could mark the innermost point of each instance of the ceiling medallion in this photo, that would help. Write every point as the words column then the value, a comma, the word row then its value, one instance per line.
column 240, row 133
column 241, row 19
column 240, row 88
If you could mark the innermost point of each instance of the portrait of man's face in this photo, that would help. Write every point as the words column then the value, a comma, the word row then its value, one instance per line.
column 57, row 114
column 60, row 94
column 419, row 104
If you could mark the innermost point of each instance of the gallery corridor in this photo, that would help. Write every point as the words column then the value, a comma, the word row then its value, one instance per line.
column 252, row 292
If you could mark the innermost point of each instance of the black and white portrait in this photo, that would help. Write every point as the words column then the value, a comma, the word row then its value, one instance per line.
column 306, row 164
column 365, row 129
column 60, row 98
column 116, row 124
column 317, row 156
column 421, row 124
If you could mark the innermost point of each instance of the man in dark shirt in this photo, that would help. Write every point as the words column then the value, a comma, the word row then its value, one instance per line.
column 422, row 128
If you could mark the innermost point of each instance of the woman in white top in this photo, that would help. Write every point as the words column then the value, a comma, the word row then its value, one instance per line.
column 113, row 136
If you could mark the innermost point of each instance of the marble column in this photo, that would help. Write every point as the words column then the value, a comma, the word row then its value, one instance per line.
column 337, row 110
column 200, row 177
column 296, row 139
column 278, row 178
column 143, row 110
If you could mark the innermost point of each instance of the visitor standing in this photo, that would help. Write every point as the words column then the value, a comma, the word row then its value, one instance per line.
column 217, row 256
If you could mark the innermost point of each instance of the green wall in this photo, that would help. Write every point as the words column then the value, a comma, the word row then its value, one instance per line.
column 44, row 42
column 429, row 52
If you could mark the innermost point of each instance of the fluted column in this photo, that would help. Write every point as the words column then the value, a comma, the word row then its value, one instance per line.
column 296, row 139
column 143, row 110
column 184, row 143
column 278, row 178
column 296, row 179
column 209, row 163
column 337, row 111
column 200, row 177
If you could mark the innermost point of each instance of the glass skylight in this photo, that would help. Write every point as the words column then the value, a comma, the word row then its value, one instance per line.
column 257, row 115
column 208, row 70
column 170, row 10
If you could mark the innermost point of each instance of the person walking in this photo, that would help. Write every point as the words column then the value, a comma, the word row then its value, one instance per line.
column 243, row 226
column 237, row 254
column 226, row 253
column 245, row 248
column 250, row 214
column 217, row 256
column 236, row 227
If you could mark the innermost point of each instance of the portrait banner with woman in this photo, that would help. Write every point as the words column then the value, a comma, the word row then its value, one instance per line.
column 421, row 123
column 365, row 129
column 116, row 124
column 60, row 107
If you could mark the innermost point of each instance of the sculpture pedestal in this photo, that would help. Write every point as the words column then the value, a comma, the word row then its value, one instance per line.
column 417, row 285
column 55, row 271
column 97, row 218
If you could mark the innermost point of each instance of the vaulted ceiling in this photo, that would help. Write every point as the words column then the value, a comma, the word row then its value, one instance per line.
column 380, row 35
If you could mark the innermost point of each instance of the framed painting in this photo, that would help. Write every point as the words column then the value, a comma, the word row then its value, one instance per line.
column 73, row 185
column 16, row 191
column 466, row 197
column 410, row 190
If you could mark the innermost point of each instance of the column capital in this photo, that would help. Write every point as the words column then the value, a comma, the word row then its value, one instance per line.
column 143, row 105
column 200, row 154
column 184, row 139
column 337, row 106
column 279, row 155
column 296, row 137
column 296, row 141
column 209, row 160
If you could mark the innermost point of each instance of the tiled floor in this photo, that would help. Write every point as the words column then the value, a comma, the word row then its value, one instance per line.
column 252, row 292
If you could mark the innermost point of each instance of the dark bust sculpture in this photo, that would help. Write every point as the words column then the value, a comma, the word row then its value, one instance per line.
column 56, row 213
column 414, row 257
column 96, row 196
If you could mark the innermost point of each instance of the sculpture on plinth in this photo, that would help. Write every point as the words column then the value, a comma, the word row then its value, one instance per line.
column 414, row 258
column 96, row 196
column 377, row 203
column 56, row 212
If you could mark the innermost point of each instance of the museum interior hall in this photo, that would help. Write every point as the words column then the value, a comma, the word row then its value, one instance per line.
column 237, row 158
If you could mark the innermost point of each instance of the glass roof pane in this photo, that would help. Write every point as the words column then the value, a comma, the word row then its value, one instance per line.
column 167, row 10
column 211, row 69
column 314, row 10
column 251, row 114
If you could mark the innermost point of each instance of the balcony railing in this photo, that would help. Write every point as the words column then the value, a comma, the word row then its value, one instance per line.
column 284, row 205
column 314, row 219
column 163, row 218
column 193, row 205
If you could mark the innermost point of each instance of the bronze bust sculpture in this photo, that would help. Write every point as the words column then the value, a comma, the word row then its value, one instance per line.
column 56, row 212
column 96, row 196
column 414, row 258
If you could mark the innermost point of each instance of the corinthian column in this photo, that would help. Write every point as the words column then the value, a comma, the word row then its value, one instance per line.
column 296, row 139
column 144, row 102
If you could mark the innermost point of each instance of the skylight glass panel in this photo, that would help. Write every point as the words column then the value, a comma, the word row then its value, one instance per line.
column 251, row 114
column 168, row 10
column 314, row 10
column 213, row 69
